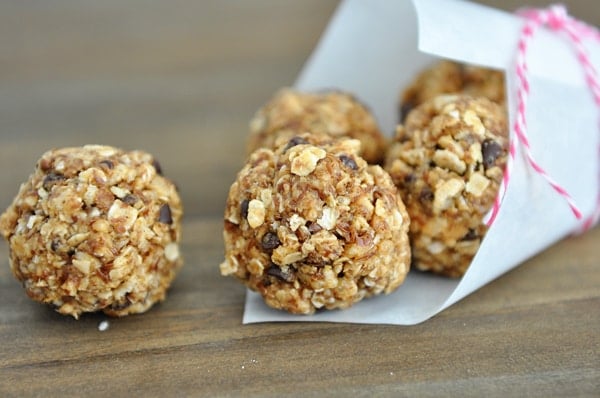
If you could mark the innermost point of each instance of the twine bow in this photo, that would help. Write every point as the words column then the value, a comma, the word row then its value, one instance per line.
column 555, row 18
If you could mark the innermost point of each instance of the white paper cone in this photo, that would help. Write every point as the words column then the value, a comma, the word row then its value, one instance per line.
column 370, row 49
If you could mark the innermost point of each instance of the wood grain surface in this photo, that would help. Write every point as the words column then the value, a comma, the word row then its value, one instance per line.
column 181, row 79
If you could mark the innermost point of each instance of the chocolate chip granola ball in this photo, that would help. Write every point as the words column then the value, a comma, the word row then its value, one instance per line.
column 95, row 229
column 310, row 225
column 449, row 77
column 335, row 113
column 447, row 161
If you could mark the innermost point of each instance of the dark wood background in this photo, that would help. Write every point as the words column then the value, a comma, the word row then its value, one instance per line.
column 181, row 79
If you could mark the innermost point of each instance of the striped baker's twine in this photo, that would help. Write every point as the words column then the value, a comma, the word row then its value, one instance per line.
column 556, row 18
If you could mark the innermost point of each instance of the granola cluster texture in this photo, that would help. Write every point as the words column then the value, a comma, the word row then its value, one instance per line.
column 310, row 225
column 95, row 228
column 335, row 113
column 449, row 77
column 447, row 160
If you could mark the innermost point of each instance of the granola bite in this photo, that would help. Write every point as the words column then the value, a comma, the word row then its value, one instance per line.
column 95, row 229
column 449, row 77
column 310, row 225
column 447, row 161
column 335, row 113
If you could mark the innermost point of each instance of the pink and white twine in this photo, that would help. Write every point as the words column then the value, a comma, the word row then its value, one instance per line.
column 555, row 18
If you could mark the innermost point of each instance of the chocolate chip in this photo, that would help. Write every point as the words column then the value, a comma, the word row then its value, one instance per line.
column 348, row 162
column 165, row 214
column 471, row 235
column 270, row 241
column 107, row 163
column 244, row 208
column 71, row 252
column 426, row 195
column 122, row 305
column 51, row 179
column 313, row 227
column 266, row 282
column 409, row 178
column 278, row 273
column 295, row 141
column 157, row 167
column 54, row 245
column 490, row 150
column 131, row 199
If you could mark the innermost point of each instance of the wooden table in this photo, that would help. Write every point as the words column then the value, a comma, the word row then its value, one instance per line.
column 181, row 79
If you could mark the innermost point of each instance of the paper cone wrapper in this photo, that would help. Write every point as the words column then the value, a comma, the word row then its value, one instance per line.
column 374, row 48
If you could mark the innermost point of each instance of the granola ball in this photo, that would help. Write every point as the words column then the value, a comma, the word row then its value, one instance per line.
column 95, row 229
column 448, row 77
column 447, row 161
column 338, row 114
column 311, row 225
